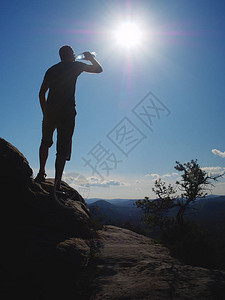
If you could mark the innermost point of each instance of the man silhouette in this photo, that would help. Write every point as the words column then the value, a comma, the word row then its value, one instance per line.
column 59, row 109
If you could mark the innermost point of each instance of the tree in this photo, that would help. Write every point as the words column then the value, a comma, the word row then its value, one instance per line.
column 156, row 211
column 195, row 183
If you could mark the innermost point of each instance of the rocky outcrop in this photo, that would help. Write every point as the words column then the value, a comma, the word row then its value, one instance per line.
column 46, row 245
column 28, row 203
column 49, row 249
column 13, row 164
column 132, row 266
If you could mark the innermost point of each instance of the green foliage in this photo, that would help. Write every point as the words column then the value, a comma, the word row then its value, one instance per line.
column 185, row 240
column 155, row 212
column 194, row 180
column 194, row 184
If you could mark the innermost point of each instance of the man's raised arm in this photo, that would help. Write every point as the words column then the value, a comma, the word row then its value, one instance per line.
column 95, row 67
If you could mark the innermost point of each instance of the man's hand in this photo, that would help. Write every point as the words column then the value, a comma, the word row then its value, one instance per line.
column 87, row 55
column 95, row 67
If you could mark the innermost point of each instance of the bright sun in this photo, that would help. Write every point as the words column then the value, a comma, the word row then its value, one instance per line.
column 128, row 35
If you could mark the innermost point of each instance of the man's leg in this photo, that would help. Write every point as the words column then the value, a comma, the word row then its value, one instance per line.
column 65, row 131
column 43, row 156
column 59, row 167
column 48, row 127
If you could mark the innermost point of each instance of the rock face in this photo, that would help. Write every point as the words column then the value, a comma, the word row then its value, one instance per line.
column 45, row 245
column 132, row 266
column 13, row 164
column 49, row 249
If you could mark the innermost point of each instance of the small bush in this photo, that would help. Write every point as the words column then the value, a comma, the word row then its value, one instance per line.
column 189, row 244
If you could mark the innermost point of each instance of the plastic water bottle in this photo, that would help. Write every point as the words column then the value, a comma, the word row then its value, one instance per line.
column 82, row 56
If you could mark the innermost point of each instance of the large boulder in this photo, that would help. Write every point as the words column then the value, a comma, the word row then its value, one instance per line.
column 47, row 242
column 27, row 203
column 13, row 163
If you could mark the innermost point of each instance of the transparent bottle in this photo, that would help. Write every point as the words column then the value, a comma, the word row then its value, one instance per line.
column 82, row 56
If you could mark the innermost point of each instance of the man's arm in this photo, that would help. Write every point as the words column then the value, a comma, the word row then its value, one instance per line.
column 42, row 94
column 95, row 67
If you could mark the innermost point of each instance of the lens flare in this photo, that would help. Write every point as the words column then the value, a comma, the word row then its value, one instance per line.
column 128, row 35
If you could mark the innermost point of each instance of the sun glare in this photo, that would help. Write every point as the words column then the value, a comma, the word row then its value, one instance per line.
column 128, row 35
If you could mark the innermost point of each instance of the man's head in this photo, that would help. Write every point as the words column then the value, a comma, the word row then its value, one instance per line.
column 66, row 53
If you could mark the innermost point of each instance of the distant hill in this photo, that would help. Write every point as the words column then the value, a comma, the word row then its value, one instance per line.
column 210, row 207
column 123, row 212
column 208, row 210
column 117, row 201
column 119, row 212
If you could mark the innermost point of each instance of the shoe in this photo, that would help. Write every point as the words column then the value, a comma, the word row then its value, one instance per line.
column 40, row 177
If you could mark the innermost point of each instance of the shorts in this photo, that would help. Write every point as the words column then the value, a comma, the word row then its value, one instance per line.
column 65, row 125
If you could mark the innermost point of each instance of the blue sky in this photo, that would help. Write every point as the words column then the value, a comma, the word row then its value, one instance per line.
column 179, row 66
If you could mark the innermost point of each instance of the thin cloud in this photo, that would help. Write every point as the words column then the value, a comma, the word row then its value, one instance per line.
column 175, row 174
column 166, row 175
column 218, row 152
column 153, row 175
column 157, row 176
column 75, row 179
column 213, row 170
column 95, row 182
